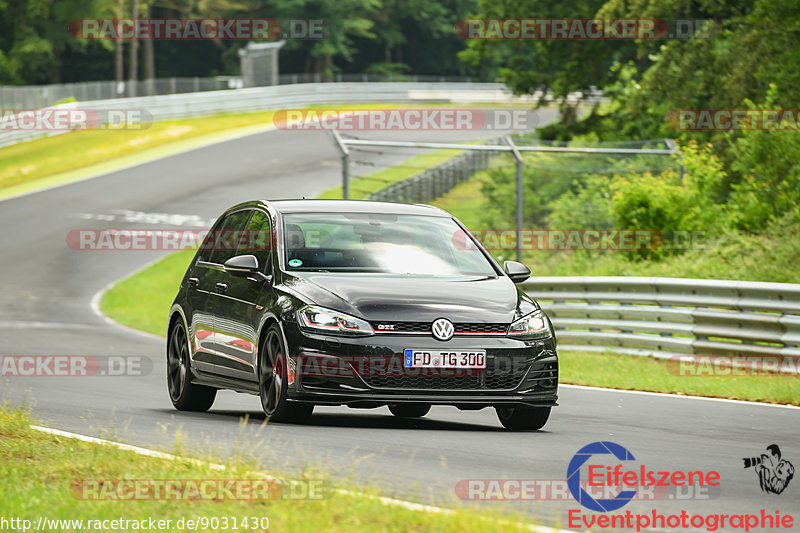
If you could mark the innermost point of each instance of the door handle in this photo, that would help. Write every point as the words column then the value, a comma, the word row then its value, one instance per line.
column 222, row 288
column 194, row 282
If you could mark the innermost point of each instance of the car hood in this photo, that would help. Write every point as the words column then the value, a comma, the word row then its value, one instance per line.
column 391, row 297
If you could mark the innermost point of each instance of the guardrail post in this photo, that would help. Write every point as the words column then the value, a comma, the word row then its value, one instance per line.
column 345, row 164
column 518, row 214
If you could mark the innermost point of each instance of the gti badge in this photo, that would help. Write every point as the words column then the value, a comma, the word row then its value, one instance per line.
column 442, row 329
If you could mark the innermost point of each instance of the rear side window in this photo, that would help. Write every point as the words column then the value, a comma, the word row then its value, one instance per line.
column 227, row 238
column 207, row 247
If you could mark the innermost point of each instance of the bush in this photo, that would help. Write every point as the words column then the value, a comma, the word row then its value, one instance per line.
column 769, row 165
column 588, row 207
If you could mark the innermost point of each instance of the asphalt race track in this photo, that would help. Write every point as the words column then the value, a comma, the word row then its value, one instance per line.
column 47, row 288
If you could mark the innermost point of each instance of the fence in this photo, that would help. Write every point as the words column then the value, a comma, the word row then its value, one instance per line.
column 665, row 317
column 40, row 96
column 426, row 186
column 437, row 181
column 198, row 104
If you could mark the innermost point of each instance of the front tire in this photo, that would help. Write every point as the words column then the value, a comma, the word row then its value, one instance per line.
column 273, row 386
column 185, row 395
column 523, row 417
column 410, row 410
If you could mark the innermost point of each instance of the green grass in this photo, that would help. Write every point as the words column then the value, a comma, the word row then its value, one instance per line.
column 42, row 475
column 465, row 202
column 40, row 158
column 142, row 301
column 649, row 374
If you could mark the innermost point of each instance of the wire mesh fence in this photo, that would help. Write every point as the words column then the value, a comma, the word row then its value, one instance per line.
column 522, row 198
column 546, row 175
column 437, row 181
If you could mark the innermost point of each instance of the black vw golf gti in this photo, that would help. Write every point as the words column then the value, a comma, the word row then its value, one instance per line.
column 364, row 304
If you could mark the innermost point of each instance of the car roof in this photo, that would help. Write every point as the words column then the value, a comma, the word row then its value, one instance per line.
column 353, row 206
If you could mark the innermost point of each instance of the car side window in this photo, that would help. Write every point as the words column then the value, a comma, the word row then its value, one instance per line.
column 229, row 236
column 207, row 247
column 257, row 241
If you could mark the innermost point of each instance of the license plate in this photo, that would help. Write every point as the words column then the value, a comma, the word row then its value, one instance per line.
column 444, row 358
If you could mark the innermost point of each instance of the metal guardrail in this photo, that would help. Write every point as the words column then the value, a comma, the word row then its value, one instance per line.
column 198, row 104
column 666, row 317
column 39, row 96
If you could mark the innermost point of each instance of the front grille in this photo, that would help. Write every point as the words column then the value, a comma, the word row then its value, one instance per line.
column 499, row 375
column 425, row 327
column 481, row 328
column 402, row 327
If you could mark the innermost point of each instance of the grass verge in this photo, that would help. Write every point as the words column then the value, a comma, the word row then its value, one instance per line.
column 650, row 374
column 124, row 302
column 44, row 157
column 48, row 476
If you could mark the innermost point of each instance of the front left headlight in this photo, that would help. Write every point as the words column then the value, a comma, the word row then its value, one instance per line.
column 532, row 326
column 322, row 320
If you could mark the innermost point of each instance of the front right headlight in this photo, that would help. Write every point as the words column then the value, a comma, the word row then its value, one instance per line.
column 532, row 326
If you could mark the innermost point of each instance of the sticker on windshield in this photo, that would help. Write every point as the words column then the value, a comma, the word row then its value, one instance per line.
column 295, row 262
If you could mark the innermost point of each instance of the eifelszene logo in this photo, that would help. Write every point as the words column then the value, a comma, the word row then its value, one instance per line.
column 774, row 473
column 595, row 458
column 574, row 477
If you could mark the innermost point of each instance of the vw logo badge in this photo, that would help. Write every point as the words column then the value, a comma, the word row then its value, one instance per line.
column 442, row 329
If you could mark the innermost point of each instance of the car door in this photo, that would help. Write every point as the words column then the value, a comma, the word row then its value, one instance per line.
column 201, row 285
column 240, row 306
column 226, row 357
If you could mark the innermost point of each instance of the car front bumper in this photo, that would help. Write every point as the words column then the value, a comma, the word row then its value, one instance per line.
column 369, row 371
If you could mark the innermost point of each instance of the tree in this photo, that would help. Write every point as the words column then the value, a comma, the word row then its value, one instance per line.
column 560, row 66
column 343, row 21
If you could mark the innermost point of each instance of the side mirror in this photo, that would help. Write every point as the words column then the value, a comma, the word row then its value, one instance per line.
column 244, row 266
column 516, row 271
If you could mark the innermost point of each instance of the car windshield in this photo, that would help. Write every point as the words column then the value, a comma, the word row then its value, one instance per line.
column 376, row 242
